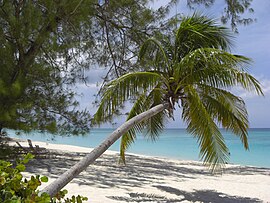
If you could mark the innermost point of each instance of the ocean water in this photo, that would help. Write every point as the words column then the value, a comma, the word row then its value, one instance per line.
column 172, row 143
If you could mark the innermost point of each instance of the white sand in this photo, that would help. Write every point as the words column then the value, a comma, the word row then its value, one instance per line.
column 151, row 179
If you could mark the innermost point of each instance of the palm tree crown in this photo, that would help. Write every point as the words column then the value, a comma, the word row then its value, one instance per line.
column 193, row 69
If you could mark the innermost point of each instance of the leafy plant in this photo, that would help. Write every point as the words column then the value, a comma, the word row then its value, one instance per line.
column 16, row 189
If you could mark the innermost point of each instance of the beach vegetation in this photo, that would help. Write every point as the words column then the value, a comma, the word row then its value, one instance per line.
column 15, row 188
column 191, row 68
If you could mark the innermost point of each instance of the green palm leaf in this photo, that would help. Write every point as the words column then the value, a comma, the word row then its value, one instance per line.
column 115, row 93
column 213, row 149
column 199, row 31
column 216, row 68
column 153, row 126
column 129, row 137
column 228, row 109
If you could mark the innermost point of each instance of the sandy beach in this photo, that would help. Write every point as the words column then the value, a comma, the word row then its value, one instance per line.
column 152, row 179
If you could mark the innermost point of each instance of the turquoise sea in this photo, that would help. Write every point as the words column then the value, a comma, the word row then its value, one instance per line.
column 172, row 143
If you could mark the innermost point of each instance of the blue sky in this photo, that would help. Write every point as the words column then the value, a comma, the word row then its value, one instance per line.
column 252, row 41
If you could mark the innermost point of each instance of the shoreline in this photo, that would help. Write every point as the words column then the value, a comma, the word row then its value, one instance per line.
column 151, row 179
column 181, row 145
column 72, row 148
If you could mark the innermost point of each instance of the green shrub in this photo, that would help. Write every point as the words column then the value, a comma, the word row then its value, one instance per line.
column 16, row 189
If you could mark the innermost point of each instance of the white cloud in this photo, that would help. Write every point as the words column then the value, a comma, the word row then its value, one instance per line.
column 265, row 85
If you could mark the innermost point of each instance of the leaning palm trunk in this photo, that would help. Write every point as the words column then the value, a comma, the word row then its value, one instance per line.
column 65, row 178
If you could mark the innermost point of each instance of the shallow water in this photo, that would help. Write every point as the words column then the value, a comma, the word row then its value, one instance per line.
column 172, row 143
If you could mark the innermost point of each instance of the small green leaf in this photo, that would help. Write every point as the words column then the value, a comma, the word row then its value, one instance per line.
column 64, row 191
column 44, row 179
column 20, row 167
column 2, row 180
column 19, row 176
column 27, row 158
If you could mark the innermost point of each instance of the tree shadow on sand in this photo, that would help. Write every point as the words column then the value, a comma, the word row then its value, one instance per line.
column 207, row 196
column 106, row 172
column 139, row 172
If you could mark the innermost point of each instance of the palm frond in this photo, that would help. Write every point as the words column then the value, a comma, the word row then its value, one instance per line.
column 128, row 138
column 213, row 149
column 228, row 109
column 155, row 125
column 115, row 93
column 152, row 125
column 200, row 31
column 155, row 54
column 216, row 68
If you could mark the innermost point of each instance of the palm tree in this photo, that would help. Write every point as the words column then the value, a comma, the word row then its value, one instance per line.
column 193, row 69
